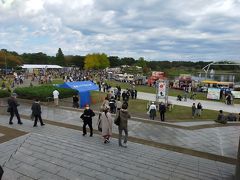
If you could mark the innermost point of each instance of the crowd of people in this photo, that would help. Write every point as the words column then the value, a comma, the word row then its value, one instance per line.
column 106, row 119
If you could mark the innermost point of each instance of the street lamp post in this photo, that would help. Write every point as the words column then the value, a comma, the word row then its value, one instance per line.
column 5, row 64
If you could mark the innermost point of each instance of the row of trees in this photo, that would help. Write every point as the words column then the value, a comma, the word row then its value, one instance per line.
column 97, row 61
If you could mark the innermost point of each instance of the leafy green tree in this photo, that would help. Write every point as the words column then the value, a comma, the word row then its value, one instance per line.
column 37, row 58
column 114, row 61
column 141, row 62
column 96, row 61
column 60, row 60
column 77, row 61
column 128, row 61
column 8, row 59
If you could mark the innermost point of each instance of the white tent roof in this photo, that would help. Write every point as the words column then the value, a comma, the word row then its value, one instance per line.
column 40, row 66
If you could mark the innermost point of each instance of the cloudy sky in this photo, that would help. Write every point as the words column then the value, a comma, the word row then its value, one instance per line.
column 153, row 29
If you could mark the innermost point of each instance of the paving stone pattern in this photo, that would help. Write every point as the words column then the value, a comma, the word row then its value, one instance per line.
column 221, row 141
column 52, row 152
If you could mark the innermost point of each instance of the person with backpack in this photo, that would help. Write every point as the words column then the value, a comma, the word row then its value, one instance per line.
column 87, row 120
column 122, row 119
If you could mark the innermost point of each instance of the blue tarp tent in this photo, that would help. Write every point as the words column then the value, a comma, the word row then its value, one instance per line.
column 83, row 88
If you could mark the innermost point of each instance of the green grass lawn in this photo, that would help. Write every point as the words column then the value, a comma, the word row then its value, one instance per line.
column 57, row 81
column 97, row 97
column 138, row 108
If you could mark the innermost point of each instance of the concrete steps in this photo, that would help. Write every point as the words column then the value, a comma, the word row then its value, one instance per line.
column 53, row 152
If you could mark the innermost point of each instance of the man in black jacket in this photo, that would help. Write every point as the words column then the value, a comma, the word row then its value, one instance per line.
column 36, row 111
column 12, row 108
column 162, row 110
column 87, row 120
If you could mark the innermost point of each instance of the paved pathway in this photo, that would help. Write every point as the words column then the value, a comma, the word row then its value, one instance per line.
column 52, row 152
column 221, row 140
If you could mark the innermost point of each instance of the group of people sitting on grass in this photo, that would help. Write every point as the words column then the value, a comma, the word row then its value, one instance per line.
column 223, row 119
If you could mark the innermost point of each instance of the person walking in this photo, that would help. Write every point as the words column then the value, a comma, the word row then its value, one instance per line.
column 12, row 109
column 162, row 110
column 36, row 112
column 112, row 104
column 104, row 104
column 123, row 125
column 87, row 120
column 199, row 109
column 193, row 110
column 106, row 123
column 152, row 111
column 55, row 97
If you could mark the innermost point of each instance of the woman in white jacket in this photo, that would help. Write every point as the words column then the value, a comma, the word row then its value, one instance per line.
column 106, row 124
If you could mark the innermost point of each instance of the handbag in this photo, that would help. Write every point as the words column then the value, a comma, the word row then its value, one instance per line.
column 117, row 120
column 9, row 109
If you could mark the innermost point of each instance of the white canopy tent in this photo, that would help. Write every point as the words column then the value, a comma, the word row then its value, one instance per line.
column 40, row 66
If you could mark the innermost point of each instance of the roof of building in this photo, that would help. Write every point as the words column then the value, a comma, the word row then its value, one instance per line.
column 40, row 66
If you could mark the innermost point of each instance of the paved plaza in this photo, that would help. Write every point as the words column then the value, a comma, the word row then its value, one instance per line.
column 52, row 152
column 220, row 140
column 199, row 150
column 58, row 150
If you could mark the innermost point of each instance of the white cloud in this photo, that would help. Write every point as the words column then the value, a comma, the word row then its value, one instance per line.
column 154, row 29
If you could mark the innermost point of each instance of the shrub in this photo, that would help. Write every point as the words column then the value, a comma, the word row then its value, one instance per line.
column 43, row 92
column 4, row 93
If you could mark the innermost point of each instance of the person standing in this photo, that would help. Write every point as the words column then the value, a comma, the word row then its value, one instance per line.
column 55, row 97
column 152, row 111
column 75, row 101
column 118, row 104
column 106, row 123
column 185, row 95
column 123, row 126
column 87, row 120
column 135, row 94
column 162, row 110
column 12, row 108
column 199, row 109
column 193, row 110
column 36, row 111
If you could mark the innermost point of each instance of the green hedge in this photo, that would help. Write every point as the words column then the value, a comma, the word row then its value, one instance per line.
column 43, row 92
column 4, row 93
